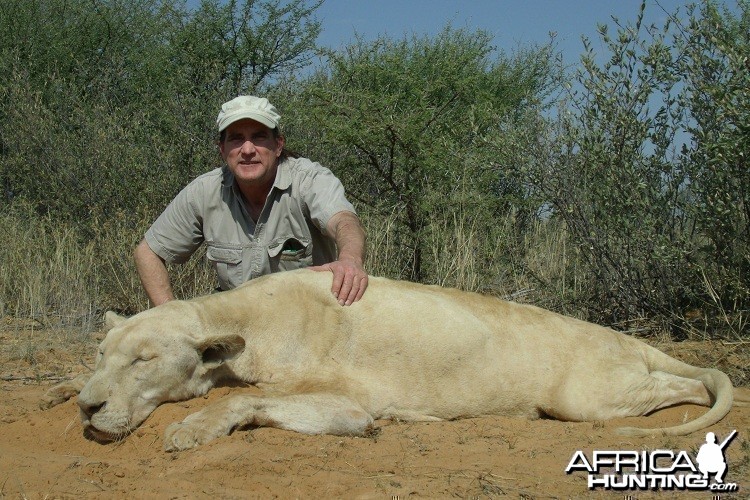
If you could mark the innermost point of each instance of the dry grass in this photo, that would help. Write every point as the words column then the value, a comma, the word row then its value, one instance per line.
column 453, row 246
column 46, row 273
column 538, row 267
column 62, row 277
column 55, row 275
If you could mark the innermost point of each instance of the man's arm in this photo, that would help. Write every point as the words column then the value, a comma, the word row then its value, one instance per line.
column 153, row 274
column 349, row 275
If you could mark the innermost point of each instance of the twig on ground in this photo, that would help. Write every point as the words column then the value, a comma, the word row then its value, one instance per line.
column 46, row 376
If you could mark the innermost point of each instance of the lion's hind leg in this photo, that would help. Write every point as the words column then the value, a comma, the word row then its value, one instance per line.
column 654, row 391
column 669, row 390
column 626, row 394
column 305, row 413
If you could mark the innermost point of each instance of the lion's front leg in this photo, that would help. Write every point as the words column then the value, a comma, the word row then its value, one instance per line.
column 63, row 391
column 306, row 413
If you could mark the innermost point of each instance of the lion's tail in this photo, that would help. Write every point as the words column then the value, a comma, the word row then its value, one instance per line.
column 716, row 382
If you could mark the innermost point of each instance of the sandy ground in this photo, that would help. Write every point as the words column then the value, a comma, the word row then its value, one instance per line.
column 43, row 454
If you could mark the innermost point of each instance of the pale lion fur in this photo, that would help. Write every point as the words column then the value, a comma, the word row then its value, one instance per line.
column 405, row 351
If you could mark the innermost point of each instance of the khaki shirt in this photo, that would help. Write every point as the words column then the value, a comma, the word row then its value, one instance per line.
column 290, row 232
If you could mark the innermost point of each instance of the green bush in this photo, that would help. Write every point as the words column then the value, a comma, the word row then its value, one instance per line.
column 647, row 165
column 403, row 125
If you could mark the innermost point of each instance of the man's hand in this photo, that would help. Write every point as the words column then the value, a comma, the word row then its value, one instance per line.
column 349, row 280
column 349, row 275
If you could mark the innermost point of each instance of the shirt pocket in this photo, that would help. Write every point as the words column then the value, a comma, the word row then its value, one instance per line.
column 227, row 260
column 290, row 253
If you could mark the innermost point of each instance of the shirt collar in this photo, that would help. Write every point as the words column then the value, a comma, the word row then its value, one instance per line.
column 283, row 176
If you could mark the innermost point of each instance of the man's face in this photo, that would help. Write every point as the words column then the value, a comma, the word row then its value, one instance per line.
column 251, row 152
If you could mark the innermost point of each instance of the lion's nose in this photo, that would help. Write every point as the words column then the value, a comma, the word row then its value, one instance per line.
column 90, row 409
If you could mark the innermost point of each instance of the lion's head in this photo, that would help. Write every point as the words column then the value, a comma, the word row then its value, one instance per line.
column 159, row 355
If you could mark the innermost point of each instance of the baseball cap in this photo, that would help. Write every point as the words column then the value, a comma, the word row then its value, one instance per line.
column 248, row 106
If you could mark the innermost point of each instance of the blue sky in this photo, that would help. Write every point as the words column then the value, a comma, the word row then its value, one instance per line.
column 510, row 22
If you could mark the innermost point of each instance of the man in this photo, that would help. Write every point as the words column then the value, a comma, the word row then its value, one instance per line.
column 262, row 212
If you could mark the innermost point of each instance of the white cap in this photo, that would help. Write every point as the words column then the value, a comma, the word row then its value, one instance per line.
column 248, row 106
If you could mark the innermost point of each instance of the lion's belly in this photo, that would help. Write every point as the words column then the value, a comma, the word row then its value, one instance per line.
column 468, row 365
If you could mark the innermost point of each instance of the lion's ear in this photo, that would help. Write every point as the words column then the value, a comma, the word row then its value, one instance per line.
column 112, row 319
column 216, row 351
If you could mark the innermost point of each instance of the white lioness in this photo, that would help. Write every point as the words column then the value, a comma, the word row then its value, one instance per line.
column 405, row 351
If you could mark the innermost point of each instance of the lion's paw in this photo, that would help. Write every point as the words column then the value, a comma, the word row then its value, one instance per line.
column 57, row 394
column 185, row 435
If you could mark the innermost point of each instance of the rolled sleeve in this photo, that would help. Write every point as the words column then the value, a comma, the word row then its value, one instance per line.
column 178, row 231
column 324, row 197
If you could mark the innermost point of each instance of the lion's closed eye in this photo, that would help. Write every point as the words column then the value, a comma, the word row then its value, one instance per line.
column 142, row 359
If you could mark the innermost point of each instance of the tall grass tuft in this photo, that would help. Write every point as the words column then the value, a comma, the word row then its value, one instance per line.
column 46, row 272
column 64, row 276
column 536, row 266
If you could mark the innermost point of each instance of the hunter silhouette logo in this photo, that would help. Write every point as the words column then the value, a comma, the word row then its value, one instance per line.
column 711, row 457
column 657, row 469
